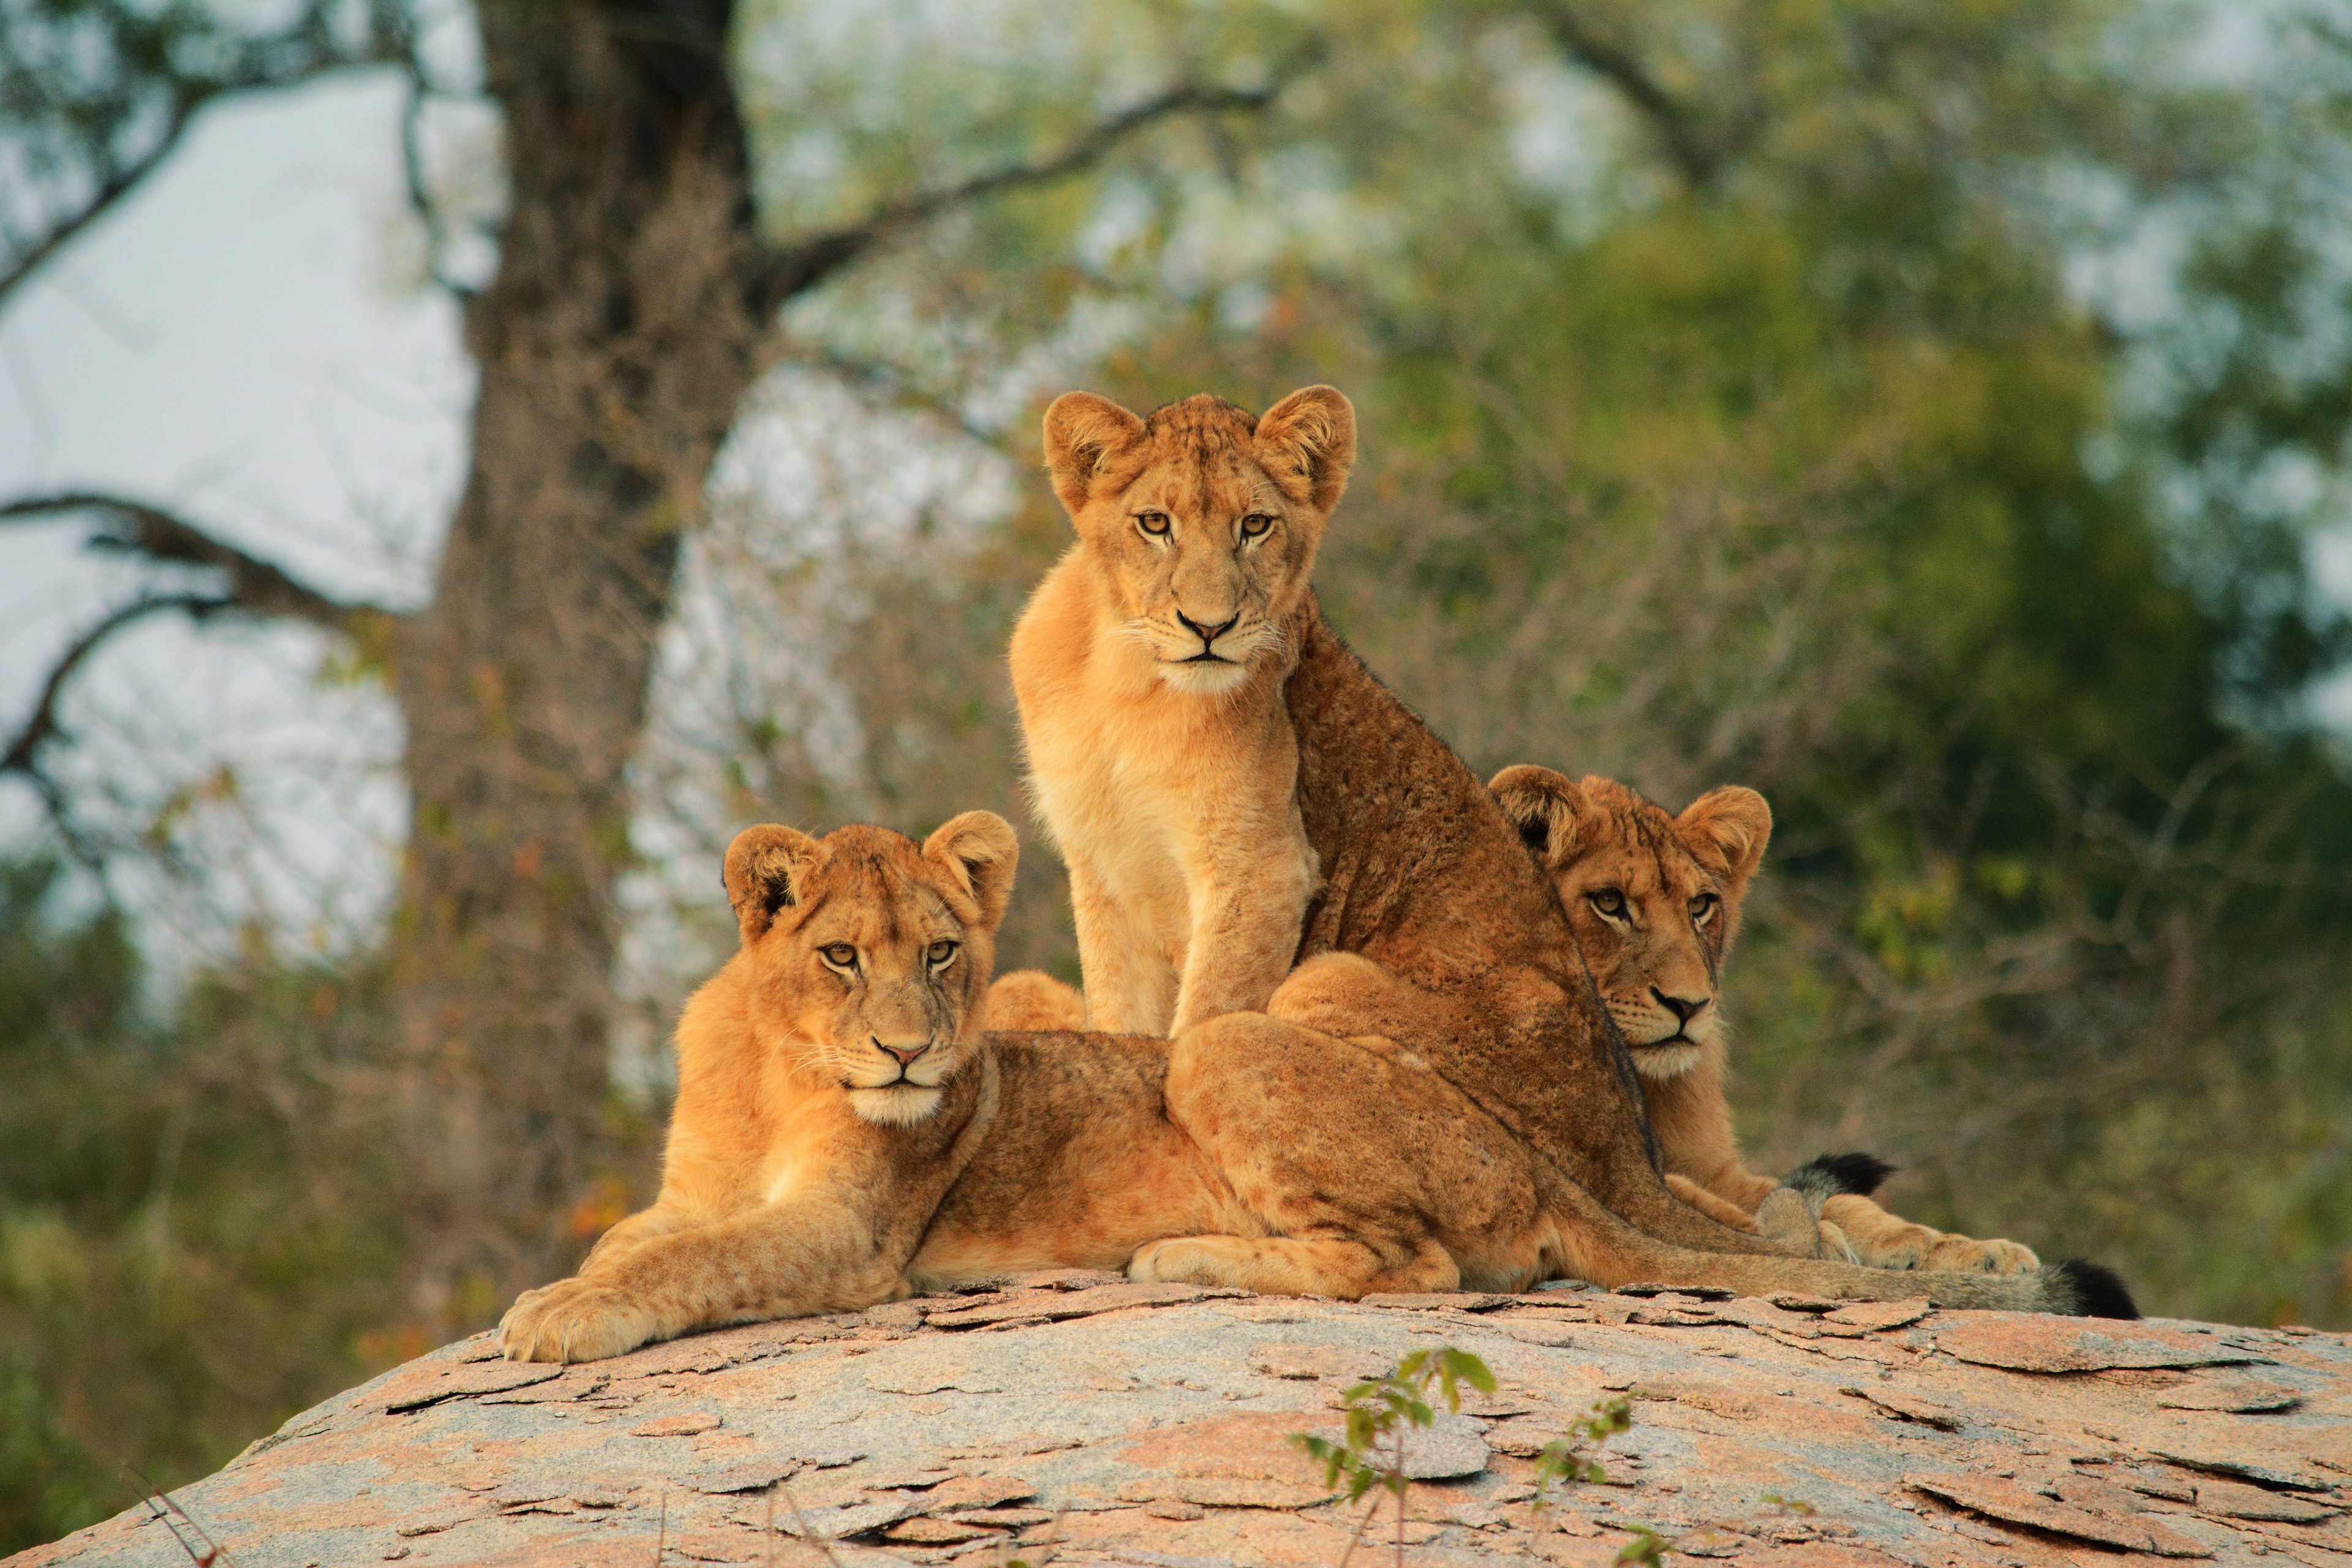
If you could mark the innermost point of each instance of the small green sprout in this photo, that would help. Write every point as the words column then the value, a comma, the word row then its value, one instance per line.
column 1573, row 1458
column 1647, row 1547
column 1380, row 1412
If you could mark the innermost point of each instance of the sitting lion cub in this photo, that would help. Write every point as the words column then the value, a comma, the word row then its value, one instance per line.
column 1149, row 668
column 1654, row 902
column 831, row 1088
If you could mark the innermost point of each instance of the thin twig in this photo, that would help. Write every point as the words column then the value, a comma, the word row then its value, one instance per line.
column 144, row 529
column 799, row 267
column 214, row 1556
column 824, row 1549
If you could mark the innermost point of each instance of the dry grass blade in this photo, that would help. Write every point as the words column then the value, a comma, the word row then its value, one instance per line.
column 824, row 1548
column 174, row 1516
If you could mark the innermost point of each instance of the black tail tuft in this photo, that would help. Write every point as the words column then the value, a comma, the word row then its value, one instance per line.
column 1859, row 1174
column 2097, row 1291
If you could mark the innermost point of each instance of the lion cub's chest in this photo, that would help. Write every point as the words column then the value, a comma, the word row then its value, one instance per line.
column 1167, row 800
column 1126, row 816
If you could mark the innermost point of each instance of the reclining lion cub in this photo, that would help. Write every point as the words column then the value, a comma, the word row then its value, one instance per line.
column 1236, row 795
column 831, row 1086
column 1654, row 901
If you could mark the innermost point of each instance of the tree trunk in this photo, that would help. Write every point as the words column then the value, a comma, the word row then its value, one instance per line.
column 620, row 335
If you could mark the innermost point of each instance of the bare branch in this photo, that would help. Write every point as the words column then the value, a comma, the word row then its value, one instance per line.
column 255, row 586
column 42, row 725
column 123, row 181
column 82, row 87
column 886, row 381
column 802, row 266
column 1697, row 155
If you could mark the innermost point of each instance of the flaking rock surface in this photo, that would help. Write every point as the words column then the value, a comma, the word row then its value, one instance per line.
column 1077, row 1418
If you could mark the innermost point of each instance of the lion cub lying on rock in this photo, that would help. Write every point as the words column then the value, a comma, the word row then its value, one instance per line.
column 824, row 1104
column 1654, row 902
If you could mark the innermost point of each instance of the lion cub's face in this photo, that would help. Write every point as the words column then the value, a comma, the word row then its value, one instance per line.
column 1654, row 898
column 1202, row 522
column 870, row 955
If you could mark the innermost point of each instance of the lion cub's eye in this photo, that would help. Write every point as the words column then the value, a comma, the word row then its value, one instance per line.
column 1154, row 524
column 941, row 952
column 1703, row 907
column 1255, row 524
column 1610, row 902
column 840, row 954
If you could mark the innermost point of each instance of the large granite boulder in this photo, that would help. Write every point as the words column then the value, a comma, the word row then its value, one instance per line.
column 1085, row 1419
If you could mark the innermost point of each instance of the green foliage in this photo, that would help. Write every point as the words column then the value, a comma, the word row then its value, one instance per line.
column 193, row 1239
column 1647, row 1547
column 1574, row 1457
column 1381, row 1411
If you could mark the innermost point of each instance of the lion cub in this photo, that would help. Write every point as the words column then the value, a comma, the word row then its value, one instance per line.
column 1148, row 669
column 831, row 1088
column 1654, row 902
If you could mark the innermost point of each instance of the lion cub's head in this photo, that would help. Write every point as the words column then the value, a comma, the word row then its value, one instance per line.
column 1654, row 898
column 1200, row 521
column 869, row 957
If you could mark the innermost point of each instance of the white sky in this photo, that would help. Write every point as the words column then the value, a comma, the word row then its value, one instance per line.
column 231, row 343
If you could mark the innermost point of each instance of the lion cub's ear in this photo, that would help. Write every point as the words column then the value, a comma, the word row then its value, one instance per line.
column 765, row 868
column 1084, row 431
column 979, row 851
column 1551, row 812
column 1311, row 435
column 1728, row 828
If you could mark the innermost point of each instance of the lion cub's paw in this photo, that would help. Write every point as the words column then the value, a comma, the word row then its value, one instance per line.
column 1178, row 1261
column 1959, row 1254
column 1791, row 1220
column 571, row 1320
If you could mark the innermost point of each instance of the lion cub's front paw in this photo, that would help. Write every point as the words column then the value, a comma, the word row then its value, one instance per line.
column 571, row 1320
column 1959, row 1254
column 1172, row 1262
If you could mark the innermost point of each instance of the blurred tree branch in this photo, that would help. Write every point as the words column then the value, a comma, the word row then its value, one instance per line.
column 254, row 586
column 805, row 263
column 98, row 96
column 1697, row 149
column 42, row 725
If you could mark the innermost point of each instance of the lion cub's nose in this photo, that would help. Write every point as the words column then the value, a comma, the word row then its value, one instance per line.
column 1682, row 1007
column 1208, row 635
column 904, row 1055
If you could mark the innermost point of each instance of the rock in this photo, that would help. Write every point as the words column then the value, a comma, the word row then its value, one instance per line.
column 2011, row 1503
column 2036, row 1343
column 1108, row 1422
column 2243, row 1398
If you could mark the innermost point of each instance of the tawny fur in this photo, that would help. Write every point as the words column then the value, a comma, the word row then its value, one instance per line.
column 1654, row 901
column 1434, row 1096
column 832, row 1084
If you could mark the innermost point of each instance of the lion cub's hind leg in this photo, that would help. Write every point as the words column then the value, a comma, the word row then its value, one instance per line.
column 1357, row 1170
column 1333, row 1265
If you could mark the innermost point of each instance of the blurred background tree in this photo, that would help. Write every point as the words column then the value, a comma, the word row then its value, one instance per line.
column 1932, row 416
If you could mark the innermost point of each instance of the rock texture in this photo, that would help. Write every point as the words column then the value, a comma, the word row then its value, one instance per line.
column 1084, row 1419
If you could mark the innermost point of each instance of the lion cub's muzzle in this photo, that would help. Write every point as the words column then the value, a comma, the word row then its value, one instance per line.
column 1208, row 635
column 904, row 1060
